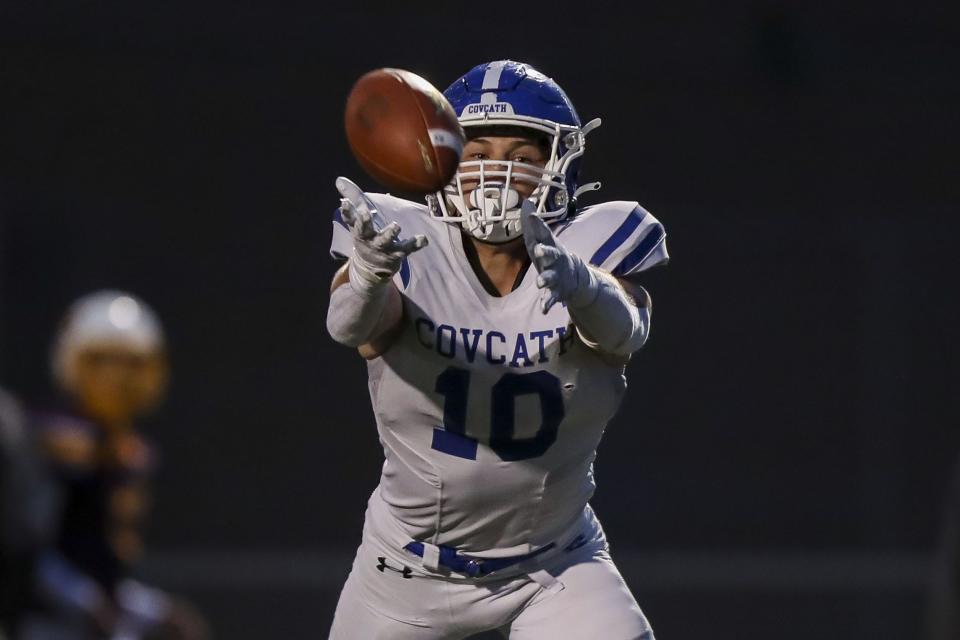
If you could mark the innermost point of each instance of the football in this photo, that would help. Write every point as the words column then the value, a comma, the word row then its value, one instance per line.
column 402, row 131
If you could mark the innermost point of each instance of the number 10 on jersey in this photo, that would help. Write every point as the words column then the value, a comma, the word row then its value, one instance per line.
column 454, row 385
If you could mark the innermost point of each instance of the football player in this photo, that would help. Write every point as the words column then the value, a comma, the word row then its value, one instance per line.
column 109, row 360
column 25, row 512
column 496, row 334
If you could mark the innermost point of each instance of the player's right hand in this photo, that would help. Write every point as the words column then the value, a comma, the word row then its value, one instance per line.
column 377, row 252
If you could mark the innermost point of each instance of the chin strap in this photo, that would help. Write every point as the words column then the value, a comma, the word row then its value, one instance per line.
column 499, row 231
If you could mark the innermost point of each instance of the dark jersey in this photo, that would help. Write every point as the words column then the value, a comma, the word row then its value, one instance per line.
column 102, row 482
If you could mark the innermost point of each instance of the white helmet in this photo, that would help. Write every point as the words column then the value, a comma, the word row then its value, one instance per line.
column 105, row 318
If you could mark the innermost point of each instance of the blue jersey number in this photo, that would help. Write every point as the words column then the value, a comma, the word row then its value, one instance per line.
column 454, row 384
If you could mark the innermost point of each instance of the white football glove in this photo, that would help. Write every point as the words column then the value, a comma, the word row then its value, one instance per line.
column 378, row 250
column 563, row 276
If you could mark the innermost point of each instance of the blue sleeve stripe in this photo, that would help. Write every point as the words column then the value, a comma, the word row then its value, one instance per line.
column 338, row 217
column 641, row 251
column 405, row 272
column 619, row 236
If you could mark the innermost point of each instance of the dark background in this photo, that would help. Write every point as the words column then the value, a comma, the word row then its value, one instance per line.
column 778, row 467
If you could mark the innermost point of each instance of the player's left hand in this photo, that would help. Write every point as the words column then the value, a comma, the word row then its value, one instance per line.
column 563, row 276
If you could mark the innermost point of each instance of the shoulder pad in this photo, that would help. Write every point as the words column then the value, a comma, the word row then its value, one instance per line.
column 620, row 237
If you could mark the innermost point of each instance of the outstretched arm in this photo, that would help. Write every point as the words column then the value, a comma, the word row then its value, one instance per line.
column 611, row 315
column 365, row 306
column 363, row 317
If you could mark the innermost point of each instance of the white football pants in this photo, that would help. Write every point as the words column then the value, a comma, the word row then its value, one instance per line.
column 571, row 595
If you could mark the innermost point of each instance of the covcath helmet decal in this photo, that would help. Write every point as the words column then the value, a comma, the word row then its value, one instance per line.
column 512, row 94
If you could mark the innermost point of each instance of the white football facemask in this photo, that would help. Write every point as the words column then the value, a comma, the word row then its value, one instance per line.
column 483, row 199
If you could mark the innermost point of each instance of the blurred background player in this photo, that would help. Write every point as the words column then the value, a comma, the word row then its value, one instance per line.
column 110, row 363
column 25, row 512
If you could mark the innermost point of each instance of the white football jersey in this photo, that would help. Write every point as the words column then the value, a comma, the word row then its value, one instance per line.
column 488, row 410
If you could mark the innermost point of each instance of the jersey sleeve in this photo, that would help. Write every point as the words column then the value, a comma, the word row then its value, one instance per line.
column 622, row 238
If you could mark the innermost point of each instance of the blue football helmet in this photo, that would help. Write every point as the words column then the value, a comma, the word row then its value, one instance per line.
column 512, row 94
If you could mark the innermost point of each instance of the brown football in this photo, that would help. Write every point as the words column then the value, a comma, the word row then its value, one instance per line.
column 402, row 131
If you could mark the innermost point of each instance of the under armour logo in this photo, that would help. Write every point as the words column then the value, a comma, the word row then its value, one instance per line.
column 405, row 572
